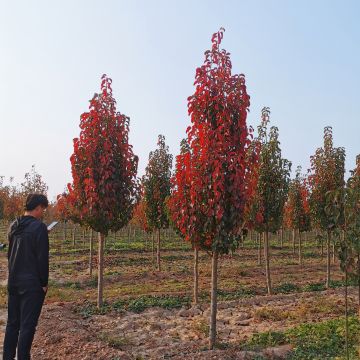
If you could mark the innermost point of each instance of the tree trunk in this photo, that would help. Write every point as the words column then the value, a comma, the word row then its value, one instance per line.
column 91, row 252
column 293, row 239
column 281, row 238
column 196, row 276
column 333, row 251
column 358, row 259
column 100, row 270
column 267, row 263
column 328, row 238
column 300, row 250
column 213, row 306
column 64, row 231
column 346, row 306
column 158, row 251
column 259, row 236
column 73, row 235
column 153, row 247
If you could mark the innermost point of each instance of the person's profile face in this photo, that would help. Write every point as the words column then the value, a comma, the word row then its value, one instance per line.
column 40, row 211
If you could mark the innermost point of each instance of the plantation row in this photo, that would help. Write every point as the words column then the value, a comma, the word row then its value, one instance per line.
column 227, row 184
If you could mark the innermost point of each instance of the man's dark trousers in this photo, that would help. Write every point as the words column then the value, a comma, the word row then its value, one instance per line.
column 24, row 308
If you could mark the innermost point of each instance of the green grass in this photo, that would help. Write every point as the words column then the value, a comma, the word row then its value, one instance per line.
column 318, row 341
column 287, row 288
column 136, row 305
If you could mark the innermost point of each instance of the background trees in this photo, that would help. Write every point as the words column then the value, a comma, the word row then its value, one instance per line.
column 104, row 170
column 297, row 207
column 326, row 177
column 156, row 185
column 271, row 187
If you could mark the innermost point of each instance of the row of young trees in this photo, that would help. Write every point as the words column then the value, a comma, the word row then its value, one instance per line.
column 225, row 179
column 12, row 196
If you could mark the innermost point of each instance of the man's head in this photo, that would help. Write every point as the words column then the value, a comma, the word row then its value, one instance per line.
column 35, row 205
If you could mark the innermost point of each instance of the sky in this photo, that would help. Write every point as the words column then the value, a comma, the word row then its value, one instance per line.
column 300, row 58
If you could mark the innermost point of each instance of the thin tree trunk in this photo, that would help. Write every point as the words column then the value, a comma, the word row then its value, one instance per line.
column 196, row 276
column 100, row 270
column 346, row 306
column 73, row 235
column 358, row 259
column 333, row 251
column 213, row 306
column 281, row 238
column 158, row 251
column 91, row 252
column 328, row 238
column 293, row 239
column 300, row 249
column 64, row 231
column 259, row 236
column 267, row 263
column 153, row 247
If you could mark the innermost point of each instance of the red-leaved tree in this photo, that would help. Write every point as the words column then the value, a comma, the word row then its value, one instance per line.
column 210, row 187
column 104, row 170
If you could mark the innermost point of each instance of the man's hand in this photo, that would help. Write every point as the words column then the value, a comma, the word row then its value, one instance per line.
column 45, row 288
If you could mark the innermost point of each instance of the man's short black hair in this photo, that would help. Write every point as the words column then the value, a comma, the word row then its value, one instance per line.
column 34, row 200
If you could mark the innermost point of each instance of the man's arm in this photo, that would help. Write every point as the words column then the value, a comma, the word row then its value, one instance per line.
column 42, row 247
column 9, row 242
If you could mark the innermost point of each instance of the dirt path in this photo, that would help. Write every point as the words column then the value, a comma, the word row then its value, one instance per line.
column 176, row 334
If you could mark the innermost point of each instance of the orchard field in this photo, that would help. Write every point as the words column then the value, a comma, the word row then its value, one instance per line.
column 149, row 314
column 223, row 253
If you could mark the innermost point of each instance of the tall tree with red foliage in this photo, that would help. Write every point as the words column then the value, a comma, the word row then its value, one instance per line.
column 104, row 170
column 326, row 178
column 210, row 186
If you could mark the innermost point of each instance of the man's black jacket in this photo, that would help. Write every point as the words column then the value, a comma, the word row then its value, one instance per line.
column 28, row 254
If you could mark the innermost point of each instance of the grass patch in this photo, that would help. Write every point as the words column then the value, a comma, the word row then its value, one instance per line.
column 325, row 340
column 136, row 305
column 287, row 288
column 314, row 287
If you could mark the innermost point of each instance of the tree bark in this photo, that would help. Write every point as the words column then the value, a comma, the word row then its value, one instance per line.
column 100, row 270
column 259, row 236
column 158, row 251
column 153, row 247
column 91, row 252
column 196, row 276
column 64, row 231
column 293, row 239
column 300, row 249
column 346, row 306
column 213, row 306
column 281, row 238
column 328, row 238
column 267, row 263
column 73, row 235
column 358, row 259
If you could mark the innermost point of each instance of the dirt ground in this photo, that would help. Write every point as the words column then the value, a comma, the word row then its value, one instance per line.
column 158, row 333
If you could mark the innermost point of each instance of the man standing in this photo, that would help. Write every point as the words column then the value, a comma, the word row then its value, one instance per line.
column 28, row 261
